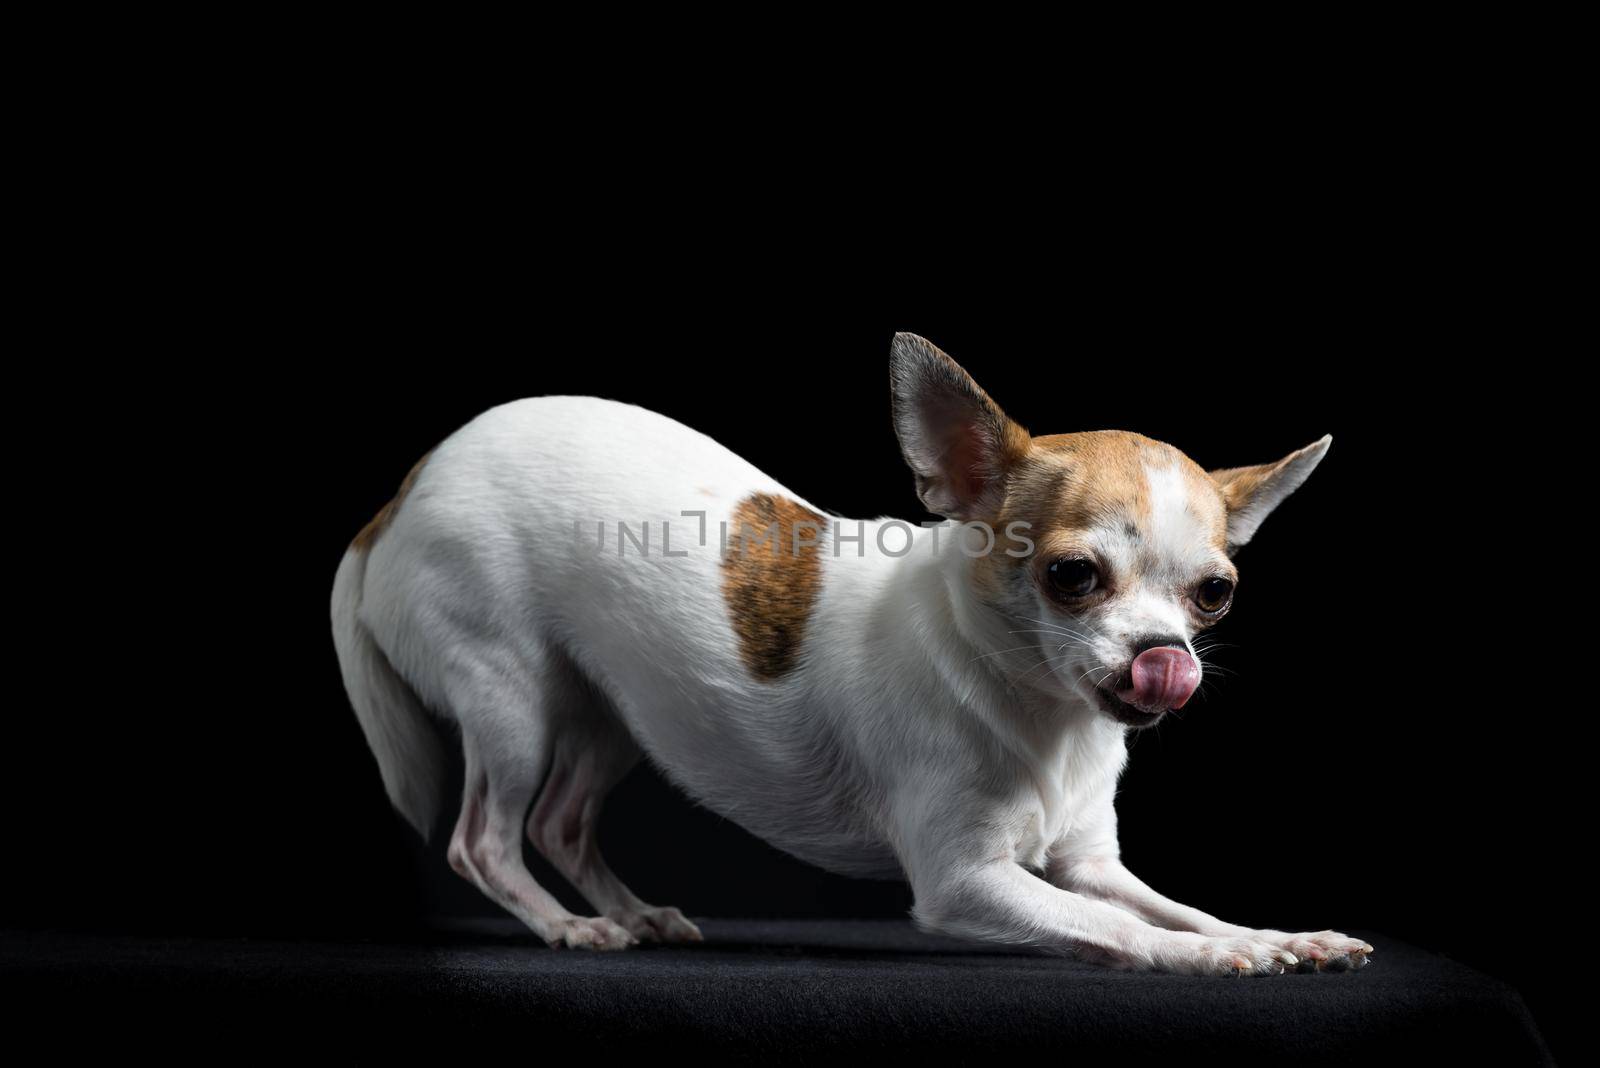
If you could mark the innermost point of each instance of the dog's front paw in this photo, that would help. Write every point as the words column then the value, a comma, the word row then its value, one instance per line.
column 1192, row 954
column 1324, row 951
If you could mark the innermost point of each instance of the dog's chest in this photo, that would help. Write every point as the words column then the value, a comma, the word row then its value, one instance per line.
column 1062, row 797
column 1032, row 837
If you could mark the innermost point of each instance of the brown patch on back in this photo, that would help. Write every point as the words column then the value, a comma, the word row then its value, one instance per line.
column 769, row 586
column 370, row 533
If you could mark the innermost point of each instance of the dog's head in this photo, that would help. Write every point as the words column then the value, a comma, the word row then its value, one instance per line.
column 1115, row 549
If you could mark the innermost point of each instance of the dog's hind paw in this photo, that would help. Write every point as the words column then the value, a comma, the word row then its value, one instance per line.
column 650, row 924
column 596, row 932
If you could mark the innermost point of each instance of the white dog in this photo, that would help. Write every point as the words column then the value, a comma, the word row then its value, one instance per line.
column 575, row 581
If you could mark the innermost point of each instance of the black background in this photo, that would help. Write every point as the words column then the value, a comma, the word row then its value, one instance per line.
column 1383, row 756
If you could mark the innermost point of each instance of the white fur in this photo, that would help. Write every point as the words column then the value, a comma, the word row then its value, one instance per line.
column 903, row 744
column 1176, row 533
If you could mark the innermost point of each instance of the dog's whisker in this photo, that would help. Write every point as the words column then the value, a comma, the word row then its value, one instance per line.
column 1054, row 625
column 1058, row 633
column 1001, row 652
column 1049, row 661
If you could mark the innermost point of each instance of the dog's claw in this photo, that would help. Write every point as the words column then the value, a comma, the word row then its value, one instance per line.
column 1323, row 951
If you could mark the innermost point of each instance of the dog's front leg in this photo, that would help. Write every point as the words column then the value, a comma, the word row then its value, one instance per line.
column 998, row 901
column 1088, row 863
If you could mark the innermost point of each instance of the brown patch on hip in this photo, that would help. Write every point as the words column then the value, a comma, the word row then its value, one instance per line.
column 373, row 530
column 771, row 578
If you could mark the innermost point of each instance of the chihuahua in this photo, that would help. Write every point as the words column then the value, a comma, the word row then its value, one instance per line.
column 576, row 582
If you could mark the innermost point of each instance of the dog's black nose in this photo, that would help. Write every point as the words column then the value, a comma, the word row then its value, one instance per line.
column 1156, row 641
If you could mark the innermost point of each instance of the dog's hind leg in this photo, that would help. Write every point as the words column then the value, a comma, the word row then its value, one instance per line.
column 507, row 739
column 591, row 752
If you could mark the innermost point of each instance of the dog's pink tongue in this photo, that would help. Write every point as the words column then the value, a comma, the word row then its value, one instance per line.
column 1162, row 678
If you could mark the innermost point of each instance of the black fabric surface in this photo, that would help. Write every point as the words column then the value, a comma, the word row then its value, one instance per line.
column 772, row 990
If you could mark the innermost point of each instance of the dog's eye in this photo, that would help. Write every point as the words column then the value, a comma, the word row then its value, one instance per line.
column 1073, row 578
column 1213, row 595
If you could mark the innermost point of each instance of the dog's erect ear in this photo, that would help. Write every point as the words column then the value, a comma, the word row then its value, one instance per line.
column 957, row 441
column 1251, row 493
